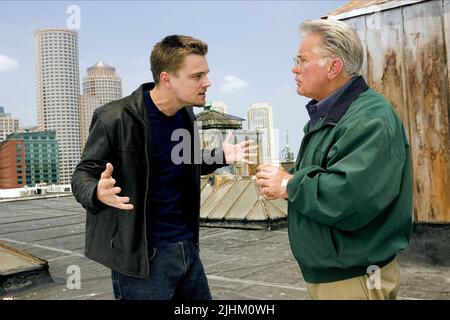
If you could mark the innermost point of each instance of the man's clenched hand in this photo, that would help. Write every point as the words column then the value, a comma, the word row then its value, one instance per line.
column 270, row 181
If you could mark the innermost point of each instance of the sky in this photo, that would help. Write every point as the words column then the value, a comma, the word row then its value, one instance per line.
column 251, row 49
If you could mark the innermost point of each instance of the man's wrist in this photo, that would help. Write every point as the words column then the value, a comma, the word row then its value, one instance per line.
column 283, row 185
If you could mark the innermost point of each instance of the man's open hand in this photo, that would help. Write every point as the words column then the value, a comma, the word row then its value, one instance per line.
column 244, row 152
column 107, row 193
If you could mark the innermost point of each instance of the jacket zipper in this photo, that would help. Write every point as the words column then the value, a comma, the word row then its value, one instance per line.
column 147, row 161
column 197, row 177
column 146, row 190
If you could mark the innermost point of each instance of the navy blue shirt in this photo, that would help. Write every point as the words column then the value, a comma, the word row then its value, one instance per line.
column 167, row 222
column 318, row 110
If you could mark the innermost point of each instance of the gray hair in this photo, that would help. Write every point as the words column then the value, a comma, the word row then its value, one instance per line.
column 338, row 39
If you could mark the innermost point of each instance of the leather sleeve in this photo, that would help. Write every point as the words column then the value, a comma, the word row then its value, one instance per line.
column 97, row 152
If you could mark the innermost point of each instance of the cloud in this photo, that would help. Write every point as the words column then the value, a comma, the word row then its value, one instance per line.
column 232, row 84
column 7, row 63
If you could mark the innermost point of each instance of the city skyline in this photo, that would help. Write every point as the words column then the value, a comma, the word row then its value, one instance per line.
column 251, row 46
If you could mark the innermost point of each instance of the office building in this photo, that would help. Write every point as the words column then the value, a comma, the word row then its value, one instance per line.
column 100, row 86
column 7, row 124
column 58, row 93
column 260, row 118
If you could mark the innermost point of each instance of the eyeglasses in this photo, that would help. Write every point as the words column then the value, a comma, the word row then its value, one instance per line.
column 299, row 62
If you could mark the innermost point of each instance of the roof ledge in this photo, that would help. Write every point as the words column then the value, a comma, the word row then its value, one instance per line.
column 20, row 270
column 357, row 8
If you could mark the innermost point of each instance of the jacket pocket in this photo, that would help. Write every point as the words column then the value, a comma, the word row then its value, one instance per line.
column 333, row 244
column 313, row 244
column 91, row 223
column 312, row 156
column 155, row 251
column 132, row 151
column 114, row 232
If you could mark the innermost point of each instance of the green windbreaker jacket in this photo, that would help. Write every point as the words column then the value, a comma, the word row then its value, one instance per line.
column 350, row 200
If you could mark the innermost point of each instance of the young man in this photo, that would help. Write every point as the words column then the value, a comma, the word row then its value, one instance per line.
column 350, row 192
column 142, row 202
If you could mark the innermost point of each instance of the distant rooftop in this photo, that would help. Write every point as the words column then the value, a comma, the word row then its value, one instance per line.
column 212, row 119
column 3, row 113
column 55, row 29
column 237, row 203
column 32, row 192
column 101, row 65
column 360, row 7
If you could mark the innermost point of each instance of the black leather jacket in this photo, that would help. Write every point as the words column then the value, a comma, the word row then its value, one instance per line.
column 120, row 134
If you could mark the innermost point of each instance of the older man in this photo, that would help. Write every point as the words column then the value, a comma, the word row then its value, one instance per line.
column 350, row 192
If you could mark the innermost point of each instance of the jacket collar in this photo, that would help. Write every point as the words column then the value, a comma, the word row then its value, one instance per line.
column 191, row 116
column 138, row 106
column 350, row 94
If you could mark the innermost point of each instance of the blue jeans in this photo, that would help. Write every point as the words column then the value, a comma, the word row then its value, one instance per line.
column 176, row 273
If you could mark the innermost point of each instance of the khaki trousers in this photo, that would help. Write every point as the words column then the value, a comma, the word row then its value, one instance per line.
column 382, row 285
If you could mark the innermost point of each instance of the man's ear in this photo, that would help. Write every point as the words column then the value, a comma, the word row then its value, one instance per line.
column 164, row 80
column 335, row 68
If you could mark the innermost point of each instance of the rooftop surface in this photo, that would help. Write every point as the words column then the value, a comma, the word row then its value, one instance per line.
column 240, row 264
